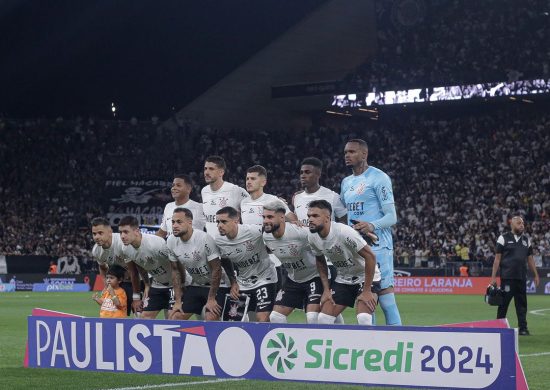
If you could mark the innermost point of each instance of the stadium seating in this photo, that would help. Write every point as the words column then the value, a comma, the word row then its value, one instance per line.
column 441, row 43
column 457, row 177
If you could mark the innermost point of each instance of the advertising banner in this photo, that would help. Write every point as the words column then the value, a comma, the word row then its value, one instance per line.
column 465, row 358
column 60, row 285
column 441, row 285
column 40, row 282
column 144, row 199
column 458, row 285
column 7, row 287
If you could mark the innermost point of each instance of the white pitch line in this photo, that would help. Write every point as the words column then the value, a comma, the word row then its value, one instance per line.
column 535, row 354
column 538, row 312
column 176, row 384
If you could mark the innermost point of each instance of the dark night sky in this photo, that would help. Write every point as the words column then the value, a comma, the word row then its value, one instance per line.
column 76, row 57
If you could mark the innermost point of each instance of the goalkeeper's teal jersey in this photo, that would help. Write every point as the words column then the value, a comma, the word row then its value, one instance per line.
column 364, row 196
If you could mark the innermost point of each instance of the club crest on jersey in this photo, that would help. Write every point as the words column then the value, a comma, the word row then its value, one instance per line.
column 223, row 202
column 524, row 242
column 360, row 189
column 249, row 245
column 196, row 255
column 338, row 250
column 293, row 248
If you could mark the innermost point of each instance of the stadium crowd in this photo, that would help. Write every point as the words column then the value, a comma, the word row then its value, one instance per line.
column 457, row 178
column 441, row 43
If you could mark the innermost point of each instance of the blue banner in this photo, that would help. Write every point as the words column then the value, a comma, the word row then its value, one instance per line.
column 60, row 285
column 7, row 287
column 402, row 356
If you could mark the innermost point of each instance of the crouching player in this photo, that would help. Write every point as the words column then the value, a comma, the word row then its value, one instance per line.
column 289, row 242
column 152, row 256
column 196, row 252
column 358, row 274
column 244, row 247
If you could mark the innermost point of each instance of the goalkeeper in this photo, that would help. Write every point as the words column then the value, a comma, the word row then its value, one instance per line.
column 368, row 196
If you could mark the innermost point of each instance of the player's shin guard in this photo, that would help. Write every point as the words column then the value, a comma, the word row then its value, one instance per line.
column 364, row 319
column 389, row 307
column 277, row 318
column 339, row 320
column 311, row 317
column 325, row 319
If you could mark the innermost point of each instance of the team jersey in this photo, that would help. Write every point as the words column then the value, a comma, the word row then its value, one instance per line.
column 195, row 254
column 228, row 195
column 112, row 255
column 252, row 210
column 364, row 196
column 199, row 221
column 154, row 257
column 248, row 254
column 341, row 246
column 294, row 252
column 301, row 201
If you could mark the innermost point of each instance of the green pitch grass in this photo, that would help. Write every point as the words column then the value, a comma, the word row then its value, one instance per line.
column 415, row 310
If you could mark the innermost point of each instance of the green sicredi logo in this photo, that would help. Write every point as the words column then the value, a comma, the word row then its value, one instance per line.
column 324, row 356
column 284, row 353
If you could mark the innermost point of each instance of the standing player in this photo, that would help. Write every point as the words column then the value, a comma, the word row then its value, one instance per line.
column 197, row 252
column 218, row 193
column 107, row 251
column 252, row 207
column 244, row 246
column 289, row 243
column 181, row 189
column 151, row 254
column 368, row 196
column 358, row 275
column 310, row 174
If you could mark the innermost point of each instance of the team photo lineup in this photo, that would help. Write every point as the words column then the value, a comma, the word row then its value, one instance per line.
column 243, row 247
column 263, row 195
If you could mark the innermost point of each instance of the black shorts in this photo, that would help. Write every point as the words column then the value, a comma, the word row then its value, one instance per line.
column 261, row 298
column 333, row 273
column 299, row 295
column 159, row 299
column 346, row 294
column 195, row 297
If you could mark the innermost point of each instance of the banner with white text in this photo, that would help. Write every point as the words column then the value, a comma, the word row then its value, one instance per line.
column 443, row 358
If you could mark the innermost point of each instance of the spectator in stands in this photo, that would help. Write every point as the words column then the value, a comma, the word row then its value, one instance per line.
column 427, row 156
column 52, row 270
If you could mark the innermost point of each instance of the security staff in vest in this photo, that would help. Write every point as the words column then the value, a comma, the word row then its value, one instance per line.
column 513, row 250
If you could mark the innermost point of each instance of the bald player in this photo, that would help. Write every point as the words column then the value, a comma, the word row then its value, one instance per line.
column 368, row 196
